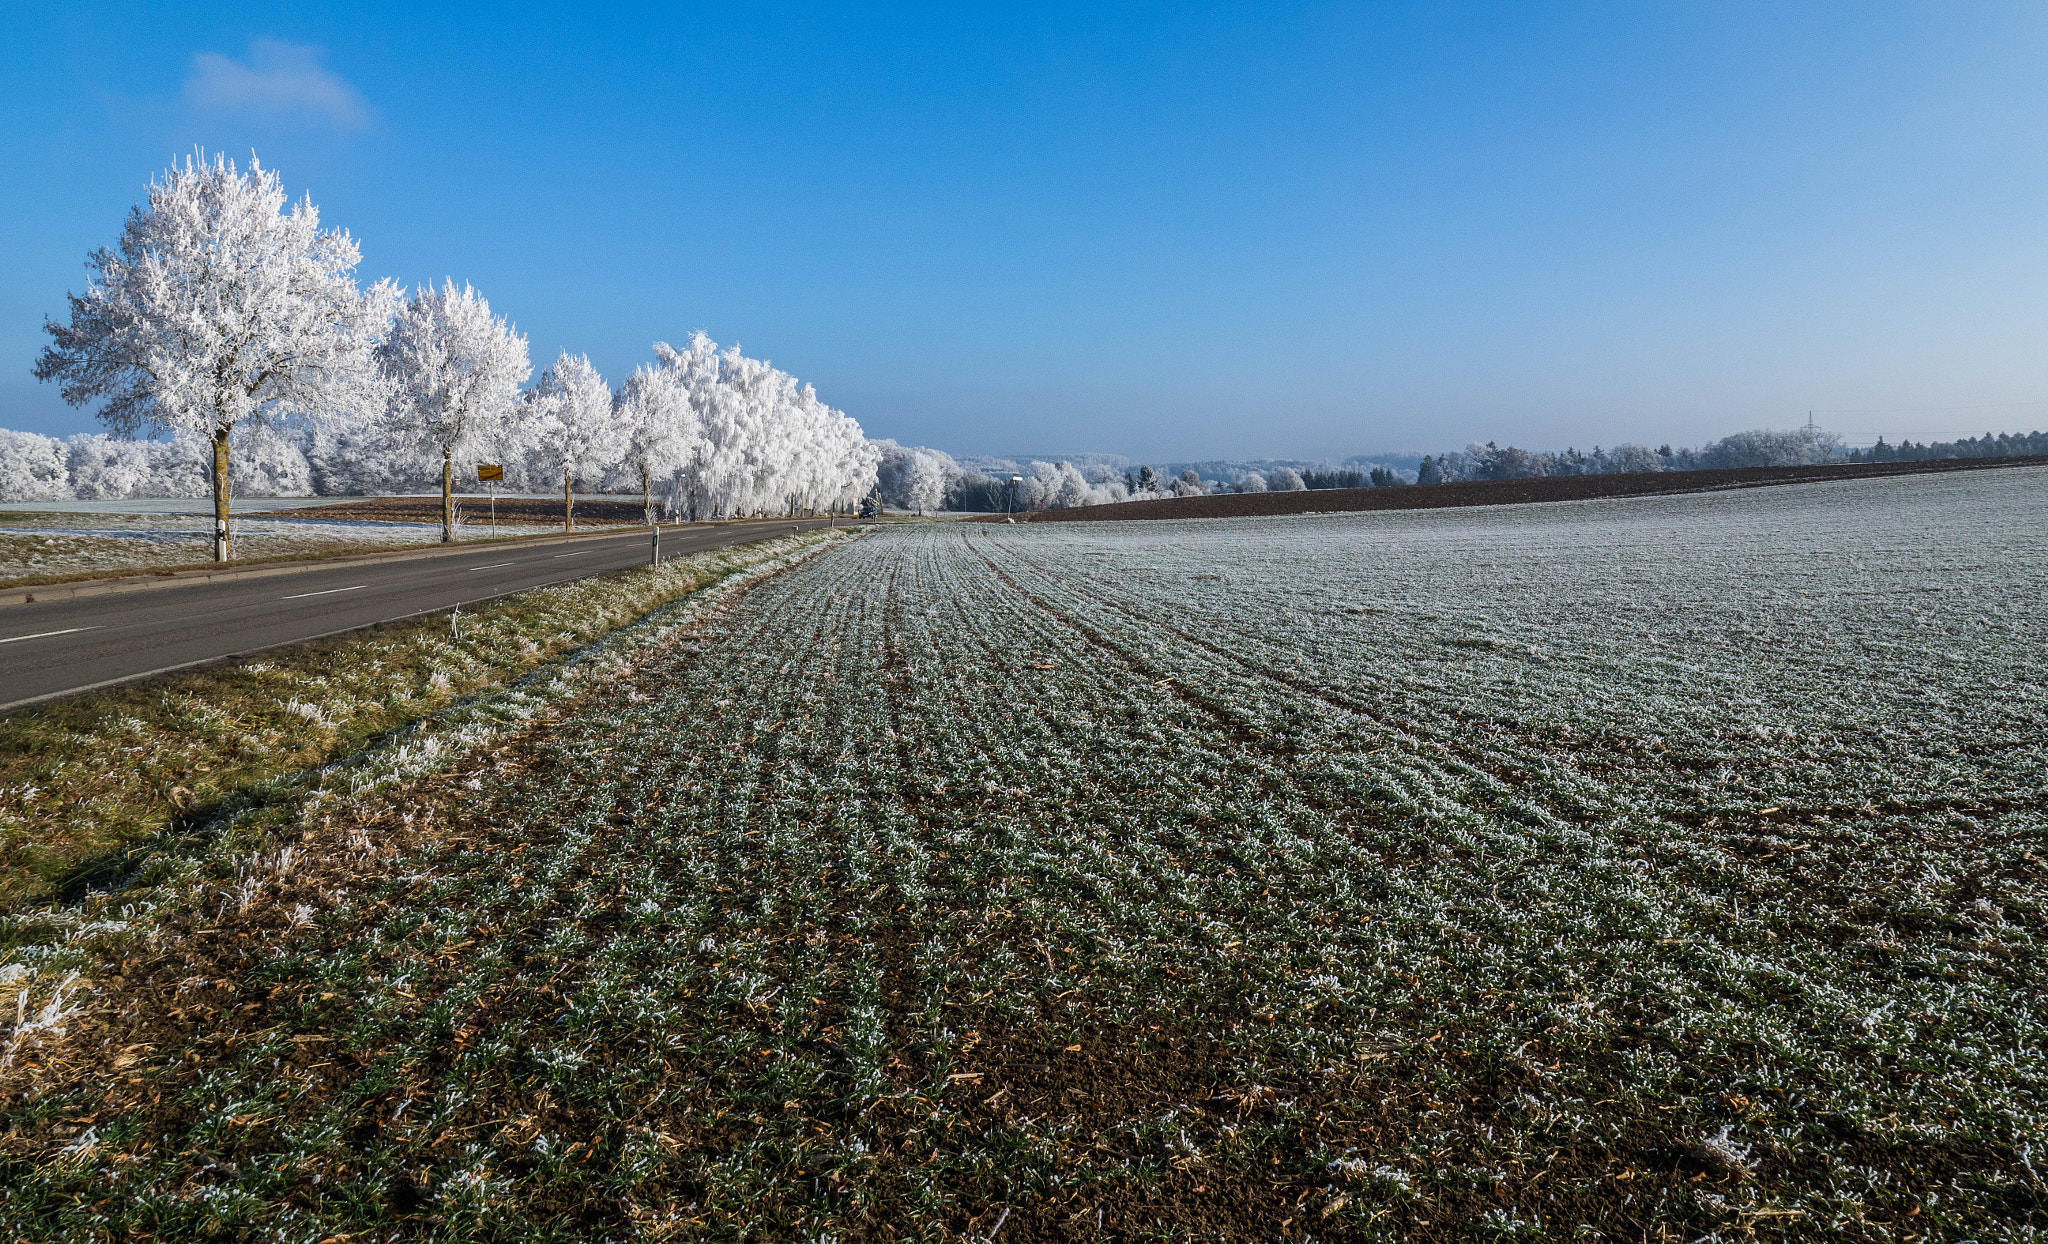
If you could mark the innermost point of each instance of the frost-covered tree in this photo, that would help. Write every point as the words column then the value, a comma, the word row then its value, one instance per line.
column 662, row 433
column 269, row 463
column 452, row 371
column 1061, row 485
column 1764, row 448
column 769, row 444
column 111, row 467
column 33, row 468
column 915, row 478
column 1250, row 481
column 1628, row 457
column 1285, row 479
column 105, row 467
column 222, row 307
column 571, row 426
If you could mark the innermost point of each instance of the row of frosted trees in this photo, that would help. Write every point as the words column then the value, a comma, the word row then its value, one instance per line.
column 227, row 315
column 713, row 432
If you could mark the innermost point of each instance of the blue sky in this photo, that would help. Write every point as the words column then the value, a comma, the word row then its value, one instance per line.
column 1177, row 231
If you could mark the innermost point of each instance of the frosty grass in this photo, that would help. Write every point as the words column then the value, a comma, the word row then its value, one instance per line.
column 1672, row 866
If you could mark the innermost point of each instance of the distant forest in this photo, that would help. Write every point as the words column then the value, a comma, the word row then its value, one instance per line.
column 916, row 478
column 2003, row 445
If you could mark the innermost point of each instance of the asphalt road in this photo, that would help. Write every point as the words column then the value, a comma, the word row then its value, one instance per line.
column 51, row 649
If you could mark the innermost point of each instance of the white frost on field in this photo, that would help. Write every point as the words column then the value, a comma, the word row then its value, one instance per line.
column 1681, row 806
column 1452, row 842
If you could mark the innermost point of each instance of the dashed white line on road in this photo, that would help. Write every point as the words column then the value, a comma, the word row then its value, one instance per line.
column 577, row 553
column 494, row 566
column 329, row 592
column 15, row 639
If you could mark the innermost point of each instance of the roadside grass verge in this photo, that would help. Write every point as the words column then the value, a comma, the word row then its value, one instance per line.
column 91, row 786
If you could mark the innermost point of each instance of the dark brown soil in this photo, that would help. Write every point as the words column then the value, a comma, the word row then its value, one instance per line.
column 1506, row 491
column 475, row 511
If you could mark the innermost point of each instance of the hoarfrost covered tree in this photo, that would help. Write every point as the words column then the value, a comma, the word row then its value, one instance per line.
column 1251, row 481
column 33, row 468
column 269, row 463
column 915, row 478
column 110, row 467
column 221, row 308
column 692, row 373
column 572, row 427
column 1062, row 485
column 662, row 434
column 768, row 441
column 453, row 372
column 1285, row 479
column 1765, row 448
column 1627, row 458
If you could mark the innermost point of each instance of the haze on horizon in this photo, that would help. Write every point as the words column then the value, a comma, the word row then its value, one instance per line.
column 1217, row 231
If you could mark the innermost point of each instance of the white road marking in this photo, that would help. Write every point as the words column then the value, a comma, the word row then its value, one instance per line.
column 493, row 566
column 329, row 592
column 15, row 639
column 577, row 553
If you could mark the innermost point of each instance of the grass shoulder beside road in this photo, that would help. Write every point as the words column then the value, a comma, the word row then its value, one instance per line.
column 90, row 787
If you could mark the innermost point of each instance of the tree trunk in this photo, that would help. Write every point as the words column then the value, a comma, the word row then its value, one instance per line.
column 220, row 496
column 447, row 498
column 568, row 501
column 647, row 493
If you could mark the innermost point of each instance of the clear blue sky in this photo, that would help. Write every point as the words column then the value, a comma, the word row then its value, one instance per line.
column 1172, row 232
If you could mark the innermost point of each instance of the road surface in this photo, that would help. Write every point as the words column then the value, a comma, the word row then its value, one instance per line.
column 52, row 649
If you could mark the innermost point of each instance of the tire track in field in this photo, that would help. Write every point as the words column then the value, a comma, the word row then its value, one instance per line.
column 1250, row 741
column 1495, row 775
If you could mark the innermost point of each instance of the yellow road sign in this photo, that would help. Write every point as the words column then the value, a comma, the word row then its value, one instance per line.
column 486, row 471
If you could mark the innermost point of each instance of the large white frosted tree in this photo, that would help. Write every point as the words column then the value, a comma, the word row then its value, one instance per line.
column 769, row 444
column 913, row 477
column 453, row 371
column 662, row 435
column 572, row 426
column 222, row 307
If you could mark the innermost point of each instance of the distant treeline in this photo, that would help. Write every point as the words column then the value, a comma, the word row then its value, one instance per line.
column 916, row 478
column 2004, row 445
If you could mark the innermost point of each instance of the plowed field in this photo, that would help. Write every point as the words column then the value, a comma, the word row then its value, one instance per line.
column 1509, row 491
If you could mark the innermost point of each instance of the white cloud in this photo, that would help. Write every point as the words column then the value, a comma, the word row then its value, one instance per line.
column 277, row 80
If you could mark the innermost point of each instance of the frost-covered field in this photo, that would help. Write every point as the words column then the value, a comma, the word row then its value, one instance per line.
column 48, row 543
column 1674, row 866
